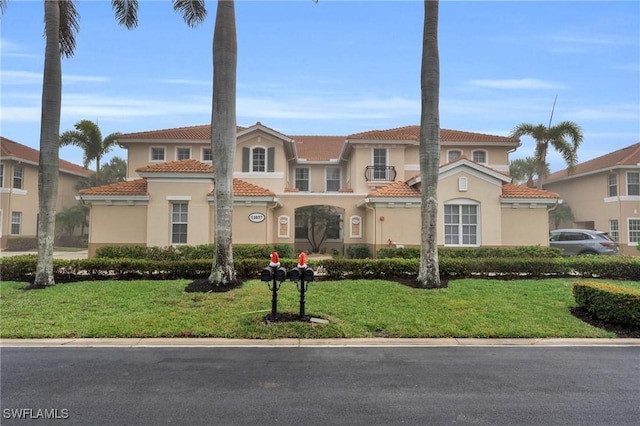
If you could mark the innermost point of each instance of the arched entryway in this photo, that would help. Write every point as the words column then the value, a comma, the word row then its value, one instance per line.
column 319, row 229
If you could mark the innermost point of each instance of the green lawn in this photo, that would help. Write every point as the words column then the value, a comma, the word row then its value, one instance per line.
column 358, row 308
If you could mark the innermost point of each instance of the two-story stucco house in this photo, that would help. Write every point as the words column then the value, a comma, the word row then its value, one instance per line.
column 19, row 190
column 370, row 179
column 604, row 194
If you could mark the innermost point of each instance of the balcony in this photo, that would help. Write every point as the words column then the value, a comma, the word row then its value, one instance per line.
column 380, row 173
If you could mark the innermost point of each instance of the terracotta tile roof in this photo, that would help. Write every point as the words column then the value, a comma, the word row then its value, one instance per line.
column 412, row 133
column 139, row 187
column 246, row 189
column 9, row 148
column 132, row 187
column 629, row 156
column 510, row 190
column 396, row 189
column 319, row 148
column 191, row 132
column 180, row 166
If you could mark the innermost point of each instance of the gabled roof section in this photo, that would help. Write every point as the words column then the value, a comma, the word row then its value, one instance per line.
column 201, row 132
column 412, row 133
column 396, row 190
column 625, row 157
column 179, row 166
column 139, row 187
column 510, row 190
column 11, row 150
column 266, row 129
column 319, row 148
column 132, row 187
column 481, row 168
column 246, row 189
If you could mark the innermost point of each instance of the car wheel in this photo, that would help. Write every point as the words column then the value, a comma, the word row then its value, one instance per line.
column 588, row 253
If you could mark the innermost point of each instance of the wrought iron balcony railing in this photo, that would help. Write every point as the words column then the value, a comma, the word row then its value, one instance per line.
column 380, row 173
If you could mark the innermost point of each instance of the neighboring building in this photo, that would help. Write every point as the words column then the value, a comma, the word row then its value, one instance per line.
column 604, row 195
column 371, row 180
column 19, row 190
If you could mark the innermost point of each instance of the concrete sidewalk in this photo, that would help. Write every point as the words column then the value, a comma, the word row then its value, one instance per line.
column 57, row 254
column 386, row 342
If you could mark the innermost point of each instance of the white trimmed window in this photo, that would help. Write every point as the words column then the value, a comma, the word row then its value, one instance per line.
column 179, row 222
column 258, row 160
column 612, row 184
column 183, row 153
column 157, row 153
column 18, row 177
column 633, row 183
column 634, row 231
column 614, row 229
column 302, row 179
column 206, row 154
column 453, row 155
column 461, row 225
column 16, row 223
column 379, row 159
column 479, row 156
column 333, row 179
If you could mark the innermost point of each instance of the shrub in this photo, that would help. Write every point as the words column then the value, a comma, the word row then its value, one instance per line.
column 609, row 302
column 358, row 251
column 473, row 252
column 284, row 250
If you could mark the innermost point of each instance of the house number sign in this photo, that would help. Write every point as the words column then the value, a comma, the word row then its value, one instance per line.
column 256, row 217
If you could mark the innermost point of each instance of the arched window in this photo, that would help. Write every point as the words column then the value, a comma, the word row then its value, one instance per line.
column 479, row 156
column 453, row 155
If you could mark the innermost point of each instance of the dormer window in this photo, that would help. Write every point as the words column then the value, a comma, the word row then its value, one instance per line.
column 453, row 155
column 258, row 160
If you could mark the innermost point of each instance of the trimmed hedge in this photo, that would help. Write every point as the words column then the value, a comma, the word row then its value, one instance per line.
column 609, row 302
column 21, row 268
column 472, row 252
column 186, row 252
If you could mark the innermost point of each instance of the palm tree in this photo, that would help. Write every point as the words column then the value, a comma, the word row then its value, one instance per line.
column 556, row 136
column 223, row 140
column 61, row 26
column 523, row 170
column 88, row 136
column 429, row 273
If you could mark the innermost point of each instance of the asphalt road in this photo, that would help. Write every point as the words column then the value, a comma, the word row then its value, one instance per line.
column 321, row 386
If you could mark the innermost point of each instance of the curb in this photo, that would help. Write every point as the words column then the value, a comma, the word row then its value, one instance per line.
column 289, row 343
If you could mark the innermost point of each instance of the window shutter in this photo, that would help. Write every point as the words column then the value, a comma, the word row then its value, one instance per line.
column 246, row 157
column 271, row 152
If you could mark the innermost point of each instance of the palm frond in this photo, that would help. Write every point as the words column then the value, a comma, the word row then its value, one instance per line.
column 73, row 137
column 109, row 142
column 193, row 11
column 126, row 12
column 3, row 6
column 69, row 27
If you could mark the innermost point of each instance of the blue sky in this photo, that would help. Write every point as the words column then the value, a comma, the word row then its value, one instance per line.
column 339, row 67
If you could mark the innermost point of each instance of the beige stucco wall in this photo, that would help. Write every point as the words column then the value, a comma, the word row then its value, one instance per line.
column 117, row 224
column 534, row 233
column 480, row 191
column 162, row 195
column 139, row 154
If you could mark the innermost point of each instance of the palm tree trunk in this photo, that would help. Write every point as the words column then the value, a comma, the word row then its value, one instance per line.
column 49, row 130
column 223, row 139
column 429, row 272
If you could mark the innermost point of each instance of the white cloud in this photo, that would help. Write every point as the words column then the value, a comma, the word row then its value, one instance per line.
column 13, row 50
column 613, row 112
column 520, row 83
column 15, row 78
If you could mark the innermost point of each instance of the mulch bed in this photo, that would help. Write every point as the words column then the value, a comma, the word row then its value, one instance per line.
column 619, row 329
column 204, row 286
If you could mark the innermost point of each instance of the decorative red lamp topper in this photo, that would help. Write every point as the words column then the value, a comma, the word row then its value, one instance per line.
column 275, row 261
column 302, row 260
